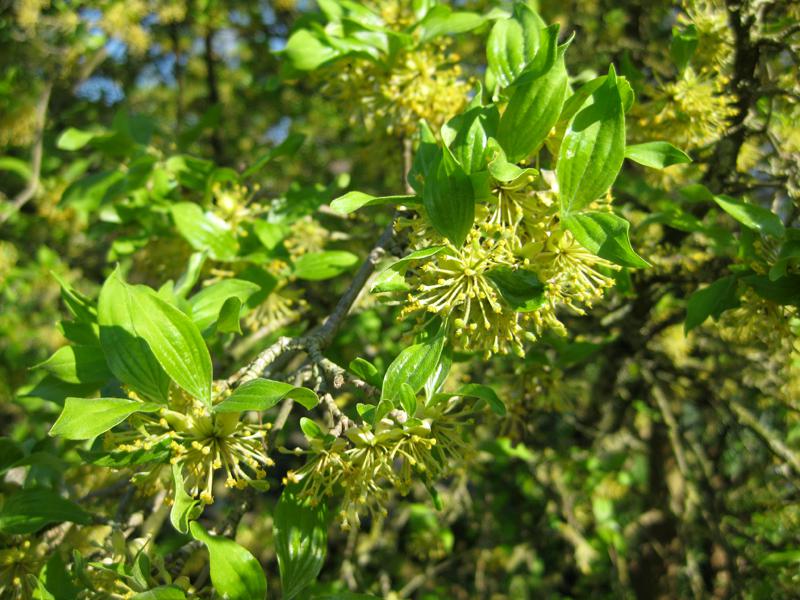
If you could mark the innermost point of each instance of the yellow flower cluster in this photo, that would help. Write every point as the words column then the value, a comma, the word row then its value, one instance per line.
column 19, row 560
column 369, row 462
column 397, row 14
column 201, row 441
column 517, row 228
column 714, row 35
column 123, row 20
column 306, row 235
column 772, row 332
column 692, row 111
column 422, row 83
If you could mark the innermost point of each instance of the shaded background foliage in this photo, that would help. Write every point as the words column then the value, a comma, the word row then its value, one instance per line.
column 635, row 460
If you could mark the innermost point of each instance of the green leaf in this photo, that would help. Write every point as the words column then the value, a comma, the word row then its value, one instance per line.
column 162, row 592
column 316, row 266
column 287, row 147
column 205, row 231
column 711, row 301
column 229, row 314
column 77, row 304
column 392, row 279
column 593, row 149
column 442, row 20
column 513, row 43
column 780, row 559
column 412, row 366
column 31, row 509
column 505, row 172
column 184, row 507
column 535, row 104
column 606, row 235
column 74, row 139
column 301, row 537
column 352, row 201
column 484, row 392
column 263, row 394
column 174, row 340
column 15, row 165
column 364, row 369
column 683, row 46
column 310, row 429
column 10, row 453
column 307, row 51
column 449, row 199
column 425, row 158
column 408, row 399
column 657, row 155
column 208, row 302
column 784, row 290
column 520, row 288
column 86, row 418
column 128, row 355
column 468, row 133
column 345, row 596
column 235, row 573
column 77, row 364
column 752, row 216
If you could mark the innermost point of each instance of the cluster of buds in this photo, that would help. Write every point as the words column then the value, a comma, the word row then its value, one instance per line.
column 370, row 461
column 518, row 227
column 200, row 441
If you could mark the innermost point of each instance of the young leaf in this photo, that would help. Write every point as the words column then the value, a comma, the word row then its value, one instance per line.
column 412, row 366
column 77, row 364
column 307, row 51
column 235, row 573
column 86, row 418
column 175, row 341
column 229, row 313
column 184, row 507
column 513, row 43
column 392, row 279
column 520, row 288
column 310, row 429
column 535, row 103
column 683, row 46
column 352, row 201
column 656, row 155
column 485, row 393
column 711, row 301
column 425, row 158
column 30, row 509
column 752, row 216
column 162, row 592
column 301, row 537
column 408, row 399
column 128, row 355
column 467, row 135
column 442, row 20
column 204, row 231
column 207, row 303
column 316, row 266
column 593, row 149
column 606, row 235
column 449, row 199
column 263, row 394
column 74, row 139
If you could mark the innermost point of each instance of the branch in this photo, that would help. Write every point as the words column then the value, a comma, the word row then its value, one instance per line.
column 36, row 157
column 770, row 438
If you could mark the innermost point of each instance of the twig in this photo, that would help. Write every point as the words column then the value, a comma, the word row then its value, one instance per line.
column 770, row 438
column 32, row 187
